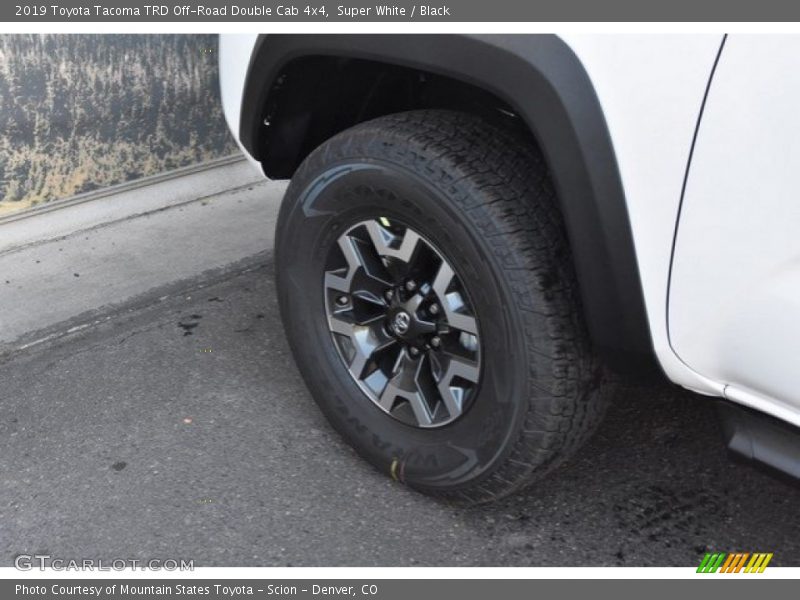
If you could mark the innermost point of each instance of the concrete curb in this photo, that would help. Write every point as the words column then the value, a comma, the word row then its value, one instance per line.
column 119, row 188
column 81, row 257
column 126, row 200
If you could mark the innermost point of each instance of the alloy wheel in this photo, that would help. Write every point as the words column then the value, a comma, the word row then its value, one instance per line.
column 402, row 323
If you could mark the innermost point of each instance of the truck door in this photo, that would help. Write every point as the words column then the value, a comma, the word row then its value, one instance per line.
column 734, row 297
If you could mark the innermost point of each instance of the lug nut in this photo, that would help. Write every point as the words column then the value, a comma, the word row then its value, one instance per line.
column 436, row 341
column 342, row 300
column 434, row 309
column 411, row 285
column 413, row 351
column 388, row 294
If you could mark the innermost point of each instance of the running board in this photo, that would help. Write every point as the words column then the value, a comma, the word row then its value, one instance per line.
column 759, row 438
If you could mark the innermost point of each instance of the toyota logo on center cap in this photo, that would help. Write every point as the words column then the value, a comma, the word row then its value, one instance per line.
column 401, row 322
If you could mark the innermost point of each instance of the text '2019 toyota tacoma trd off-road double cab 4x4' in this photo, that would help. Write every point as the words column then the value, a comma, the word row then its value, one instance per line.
column 480, row 229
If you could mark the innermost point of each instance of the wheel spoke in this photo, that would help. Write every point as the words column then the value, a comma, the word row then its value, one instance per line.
column 400, row 317
column 367, row 339
column 338, row 324
column 405, row 385
column 442, row 281
column 453, row 395
column 390, row 244
column 369, row 288
column 463, row 323
column 464, row 368
column 334, row 280
column 388, row 396
column 420, row 408
column 452, row 301
column 360, row 280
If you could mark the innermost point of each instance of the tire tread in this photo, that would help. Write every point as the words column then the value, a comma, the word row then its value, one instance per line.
column 500, row 181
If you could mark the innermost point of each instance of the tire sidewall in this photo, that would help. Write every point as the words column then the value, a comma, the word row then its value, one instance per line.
column 320, row 205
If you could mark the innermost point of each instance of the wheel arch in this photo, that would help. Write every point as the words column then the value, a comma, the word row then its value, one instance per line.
column 536, row 77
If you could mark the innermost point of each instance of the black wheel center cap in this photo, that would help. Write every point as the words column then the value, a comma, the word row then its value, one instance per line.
column 401, row 322
column 404, row 322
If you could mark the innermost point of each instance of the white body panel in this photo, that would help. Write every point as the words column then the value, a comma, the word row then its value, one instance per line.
column 651, row 89
column 735, row 295
column 234, row 60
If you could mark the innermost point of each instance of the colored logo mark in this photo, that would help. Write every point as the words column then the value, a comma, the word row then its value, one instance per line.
column 734, row 562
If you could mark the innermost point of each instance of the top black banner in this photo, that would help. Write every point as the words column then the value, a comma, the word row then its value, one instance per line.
column 362, row 11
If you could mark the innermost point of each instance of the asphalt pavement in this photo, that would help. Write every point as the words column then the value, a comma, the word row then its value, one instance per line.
column 177, row 426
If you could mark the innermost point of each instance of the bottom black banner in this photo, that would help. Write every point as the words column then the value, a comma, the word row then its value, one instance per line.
column 389, row 589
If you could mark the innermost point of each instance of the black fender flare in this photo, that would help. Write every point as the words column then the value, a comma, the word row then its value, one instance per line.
column 543, row 80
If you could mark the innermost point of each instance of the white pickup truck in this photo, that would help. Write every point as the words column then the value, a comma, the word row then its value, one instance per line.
column 481, row 230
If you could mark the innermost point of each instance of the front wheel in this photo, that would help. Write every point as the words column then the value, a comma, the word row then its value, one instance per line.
column 428, row 295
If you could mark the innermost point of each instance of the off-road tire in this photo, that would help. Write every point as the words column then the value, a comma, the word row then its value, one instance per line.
column 483, row 196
